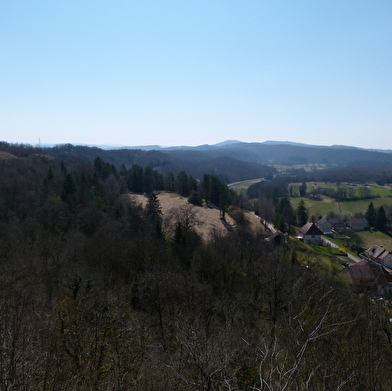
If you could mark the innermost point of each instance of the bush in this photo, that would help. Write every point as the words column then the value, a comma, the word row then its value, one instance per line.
column 195, row 198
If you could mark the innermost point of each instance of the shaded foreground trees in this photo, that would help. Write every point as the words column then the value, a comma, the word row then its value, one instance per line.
column 92, row 298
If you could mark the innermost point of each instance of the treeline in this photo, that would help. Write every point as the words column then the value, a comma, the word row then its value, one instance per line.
column 275, row 188
column 344, row 193
column 94, row 297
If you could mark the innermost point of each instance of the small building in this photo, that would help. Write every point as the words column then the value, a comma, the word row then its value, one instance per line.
column 337, row 222
column 310, row 234
column 277, row 237
column 325, row 226
column 370, row 275
column 380, row 255
column 383, row 279
column 357, row 224
column 359, row 274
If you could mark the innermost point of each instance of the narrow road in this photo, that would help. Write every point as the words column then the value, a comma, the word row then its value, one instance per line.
column 329, row 243
column 266, row 224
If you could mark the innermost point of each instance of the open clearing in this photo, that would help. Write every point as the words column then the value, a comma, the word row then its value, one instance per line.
column 349, row 208
column 242, row 187
column 208, row 219
column 375, row 237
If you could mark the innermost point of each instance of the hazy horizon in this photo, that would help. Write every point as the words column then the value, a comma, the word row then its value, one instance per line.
column 152, row 146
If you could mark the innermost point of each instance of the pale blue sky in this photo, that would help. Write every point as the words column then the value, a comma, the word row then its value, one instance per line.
column 196, row 72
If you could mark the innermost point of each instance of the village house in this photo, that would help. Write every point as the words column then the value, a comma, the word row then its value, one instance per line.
column 357, row 224
column 359, row 274
column 370, row 275
column 325, row 226
column 337, row 222
column 277, row 237
column 310, row 234
column 380, row 254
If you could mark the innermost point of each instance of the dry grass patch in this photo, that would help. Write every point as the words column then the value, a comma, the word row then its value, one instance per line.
column 208, row 219
column 6, row 156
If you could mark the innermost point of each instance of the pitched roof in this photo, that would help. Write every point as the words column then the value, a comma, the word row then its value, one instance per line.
column 336, row 220
column 358, row 222
column 310, row 229
column 361, row 271
column 274, row 235
column 376, row 251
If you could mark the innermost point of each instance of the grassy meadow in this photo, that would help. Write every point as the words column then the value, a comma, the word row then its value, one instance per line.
column 344, row 208
column 242, row 187
column 376, row 237
column 326, row 204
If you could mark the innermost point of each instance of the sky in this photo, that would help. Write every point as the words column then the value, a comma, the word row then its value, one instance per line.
column 187, row 72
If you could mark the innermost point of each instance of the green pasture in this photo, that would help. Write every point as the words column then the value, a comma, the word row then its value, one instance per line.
column 317, row 208
column 322, row 258
column 352, row 207
column 349, row 208
column 376, row 237
column 374, row 190
column 242, row 187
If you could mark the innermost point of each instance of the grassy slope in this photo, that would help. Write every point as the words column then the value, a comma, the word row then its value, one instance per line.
column 208, row 218
column 376, row 237
column 317, row 207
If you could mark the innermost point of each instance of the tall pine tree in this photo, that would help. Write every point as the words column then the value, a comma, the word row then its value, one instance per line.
column 381, row 219
column 371, row 215
column 302, row 214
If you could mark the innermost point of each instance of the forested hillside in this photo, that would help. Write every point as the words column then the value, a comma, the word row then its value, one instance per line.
column 94, row 295
column 228, row 166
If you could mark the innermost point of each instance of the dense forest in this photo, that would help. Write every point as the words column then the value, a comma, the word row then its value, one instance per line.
column 227, row 166
column 94, row 295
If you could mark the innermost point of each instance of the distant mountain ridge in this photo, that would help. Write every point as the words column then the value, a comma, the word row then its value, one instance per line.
column 230, row 143
column 231, row 160
column 223, row 144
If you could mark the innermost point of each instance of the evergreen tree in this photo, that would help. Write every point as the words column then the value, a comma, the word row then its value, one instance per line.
column 154, row 212
column 302, row 189
column 135, row 179
column 285, row 208
column 195, row 198
column 302, row 214
column 223, row 200
column 381, row 219
column 371, row 215
column 68, row 191
column 170, row 182
column 183, row 184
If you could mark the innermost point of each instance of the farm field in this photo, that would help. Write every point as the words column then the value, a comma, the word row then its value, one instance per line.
column 317, row 208
column 327, row 204
column 242, row 187
column 376, row 237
